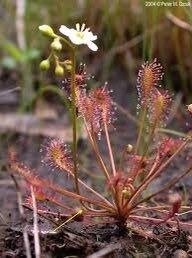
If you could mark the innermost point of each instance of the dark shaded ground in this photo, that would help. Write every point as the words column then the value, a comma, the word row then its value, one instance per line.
column 103, row 240
column 77, row 238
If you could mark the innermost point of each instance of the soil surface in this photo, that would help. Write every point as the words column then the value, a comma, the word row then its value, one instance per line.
column 102, row 240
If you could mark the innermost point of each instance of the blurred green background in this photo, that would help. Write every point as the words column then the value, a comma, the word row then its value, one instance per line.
column 129, row 32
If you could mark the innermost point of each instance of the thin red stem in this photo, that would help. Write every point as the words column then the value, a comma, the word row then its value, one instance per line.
column 96, row 150
column 89, row 188
column 152, row 176
column 110, row 149
column 167, row 186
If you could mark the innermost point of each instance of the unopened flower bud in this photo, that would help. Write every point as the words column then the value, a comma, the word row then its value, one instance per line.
column 59, row 71
column 47, row 30
column 56, row 44
column 68, row 65
column 129, row 148
column 125, row 193
column 44, row 65
column 175, row 200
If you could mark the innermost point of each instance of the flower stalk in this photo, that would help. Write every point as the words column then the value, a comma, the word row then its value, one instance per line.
column 74, row 121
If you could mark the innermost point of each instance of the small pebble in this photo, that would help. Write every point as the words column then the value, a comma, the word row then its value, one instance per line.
column 180, row 254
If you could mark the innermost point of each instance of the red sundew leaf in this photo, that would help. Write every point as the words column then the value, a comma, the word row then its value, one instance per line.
column 19, row 167
column 102, row 99
column 57, row 154
column 167, row 146
column 149, row 76
column 81, row 79
column 40, row 193
column 136, row 165
column 33, row 180
column 88, row 109
column 44, row 194
column 95, row 107
column 159, row 107
column 42, row 209
column 120, row 179
column 175, row 200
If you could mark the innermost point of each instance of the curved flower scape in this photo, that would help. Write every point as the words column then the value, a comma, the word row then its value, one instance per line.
column 80, row 36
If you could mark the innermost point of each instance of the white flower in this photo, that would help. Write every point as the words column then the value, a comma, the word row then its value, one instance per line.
column 80, row 36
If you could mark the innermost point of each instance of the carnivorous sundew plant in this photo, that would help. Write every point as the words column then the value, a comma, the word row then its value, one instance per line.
column 129, row 197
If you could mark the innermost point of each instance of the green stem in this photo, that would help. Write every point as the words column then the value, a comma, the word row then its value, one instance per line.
column 74, row 125
column 67, row 43
column 173, row 132
column 27, row 91
column 74, row 121
column 141, row 129
column 148, row 142
column 56, row 90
